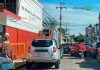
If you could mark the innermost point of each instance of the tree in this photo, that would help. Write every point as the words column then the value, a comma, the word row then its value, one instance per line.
column 81, row 37
column 62, row 31
column 78, row 38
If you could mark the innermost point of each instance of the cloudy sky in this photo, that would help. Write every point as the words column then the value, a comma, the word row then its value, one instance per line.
column 77, row 19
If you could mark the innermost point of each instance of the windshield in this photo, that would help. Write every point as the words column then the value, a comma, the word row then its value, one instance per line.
column 42, row 43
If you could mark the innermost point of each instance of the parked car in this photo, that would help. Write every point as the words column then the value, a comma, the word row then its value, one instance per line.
column 88, row 51
column 66, row 48
column 5, row 64
column 98, row 55
column 46, row 51
column 73, row 49
column 97, row 52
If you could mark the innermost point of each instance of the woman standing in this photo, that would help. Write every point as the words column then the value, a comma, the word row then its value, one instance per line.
column 6, row 47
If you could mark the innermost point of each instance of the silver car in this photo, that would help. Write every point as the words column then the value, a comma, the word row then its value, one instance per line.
column 46, row 51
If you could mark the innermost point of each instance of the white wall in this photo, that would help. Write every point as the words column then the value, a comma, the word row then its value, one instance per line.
column 30, row 21
column 30, row 12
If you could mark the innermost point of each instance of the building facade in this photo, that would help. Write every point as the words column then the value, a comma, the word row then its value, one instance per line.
column 22, row 20
column 89, row 33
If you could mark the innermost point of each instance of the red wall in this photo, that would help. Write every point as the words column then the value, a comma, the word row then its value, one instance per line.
column 27, row 37
column 21, row 36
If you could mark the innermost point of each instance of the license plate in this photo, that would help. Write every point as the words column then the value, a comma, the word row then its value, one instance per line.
column 42, row 50
column 42, row 54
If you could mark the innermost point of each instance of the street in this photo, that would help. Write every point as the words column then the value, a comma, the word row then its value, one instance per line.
column 44, row 30
column 69, row 63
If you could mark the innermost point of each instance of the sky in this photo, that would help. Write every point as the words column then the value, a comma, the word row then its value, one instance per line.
column 76, row 19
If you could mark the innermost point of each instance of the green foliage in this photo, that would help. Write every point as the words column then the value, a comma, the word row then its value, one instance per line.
column 79, row 38
column 62, row 31
column 72, row 36
column 64, row 40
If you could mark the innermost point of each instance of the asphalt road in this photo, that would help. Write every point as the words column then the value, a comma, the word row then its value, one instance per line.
column 69, row 63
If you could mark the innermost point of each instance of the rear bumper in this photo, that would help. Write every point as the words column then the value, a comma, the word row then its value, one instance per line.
column 42, row 59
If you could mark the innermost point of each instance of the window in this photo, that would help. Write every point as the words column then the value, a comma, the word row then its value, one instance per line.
column 42, row 43
column 9, row 5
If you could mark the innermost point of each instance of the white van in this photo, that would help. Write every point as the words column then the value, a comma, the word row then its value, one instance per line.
column 46, row 51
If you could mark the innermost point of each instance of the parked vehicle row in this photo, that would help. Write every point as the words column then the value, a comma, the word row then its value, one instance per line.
column 66, row 48
column 94, row 50
column 87, row 49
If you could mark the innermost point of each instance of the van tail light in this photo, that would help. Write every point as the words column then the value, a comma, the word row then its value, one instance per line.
column 54, row 49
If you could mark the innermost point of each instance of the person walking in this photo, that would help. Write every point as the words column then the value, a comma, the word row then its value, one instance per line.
column 6, row 47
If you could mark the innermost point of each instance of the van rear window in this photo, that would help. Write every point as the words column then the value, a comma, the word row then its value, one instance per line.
column 42, row 43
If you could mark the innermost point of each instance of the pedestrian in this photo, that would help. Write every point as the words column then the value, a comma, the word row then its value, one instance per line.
column 6, row 47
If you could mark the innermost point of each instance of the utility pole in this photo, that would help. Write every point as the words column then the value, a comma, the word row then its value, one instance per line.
column 60, row 7
column 99, row 26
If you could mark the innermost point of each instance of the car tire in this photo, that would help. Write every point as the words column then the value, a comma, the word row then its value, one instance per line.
column 28, row 65
column 57, row 65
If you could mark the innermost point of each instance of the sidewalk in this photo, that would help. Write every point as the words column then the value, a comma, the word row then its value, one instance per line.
column 19, row 63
